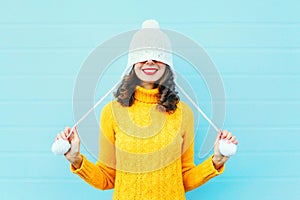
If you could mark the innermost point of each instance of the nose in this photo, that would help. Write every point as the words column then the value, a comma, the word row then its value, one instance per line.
column 150, row 62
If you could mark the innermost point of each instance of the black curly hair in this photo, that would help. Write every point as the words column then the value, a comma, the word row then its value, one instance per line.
column 167, row 98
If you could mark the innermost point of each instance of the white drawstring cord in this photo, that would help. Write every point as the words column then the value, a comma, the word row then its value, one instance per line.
column 91, row 109
column 60, row 147
column 97, row 104
column 180, row 88
column 57, row 148
column 198, row 108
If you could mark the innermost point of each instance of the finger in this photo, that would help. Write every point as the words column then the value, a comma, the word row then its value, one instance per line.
column 58, row 137
column 71, row 136
column 232, row 139
column 224, row 134
column 235, row 142
column 76, row 136
column 75, row 130
column 229, row 135
column 218, row 137
column 61, row 135
column 67, row 130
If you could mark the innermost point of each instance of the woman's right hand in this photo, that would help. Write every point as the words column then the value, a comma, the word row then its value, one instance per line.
column 73, row 155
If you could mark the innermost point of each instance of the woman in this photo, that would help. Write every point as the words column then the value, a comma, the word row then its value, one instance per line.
column 147, row 134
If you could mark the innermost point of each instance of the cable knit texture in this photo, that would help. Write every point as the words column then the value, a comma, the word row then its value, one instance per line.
column 146, row 154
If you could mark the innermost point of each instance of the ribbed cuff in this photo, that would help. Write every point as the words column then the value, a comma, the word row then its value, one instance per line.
column 211, row 168
column 85, row 169
column 203, row 173
column 208, row 170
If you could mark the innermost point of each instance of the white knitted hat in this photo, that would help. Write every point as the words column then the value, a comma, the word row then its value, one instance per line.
column 150, row 43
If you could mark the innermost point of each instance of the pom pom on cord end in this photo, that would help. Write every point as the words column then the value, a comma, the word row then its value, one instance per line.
column 60, row 147
column 227, row 149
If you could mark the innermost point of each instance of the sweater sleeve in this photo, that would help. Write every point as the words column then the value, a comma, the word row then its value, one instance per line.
column 102, row 174
column 194, row 176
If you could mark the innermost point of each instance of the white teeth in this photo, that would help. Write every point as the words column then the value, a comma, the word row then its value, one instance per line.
column 149, row 70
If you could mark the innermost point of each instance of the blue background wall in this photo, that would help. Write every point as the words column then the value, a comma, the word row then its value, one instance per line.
column 255, row 46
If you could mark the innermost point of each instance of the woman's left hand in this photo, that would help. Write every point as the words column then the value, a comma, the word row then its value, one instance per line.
column 218, row 158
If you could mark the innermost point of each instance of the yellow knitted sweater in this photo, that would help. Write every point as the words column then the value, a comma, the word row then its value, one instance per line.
column 146, row 154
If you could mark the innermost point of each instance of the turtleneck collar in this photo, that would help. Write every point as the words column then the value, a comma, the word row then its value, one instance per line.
column 146, row 95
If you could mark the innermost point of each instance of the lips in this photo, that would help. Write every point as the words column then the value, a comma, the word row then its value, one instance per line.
column 150, row 71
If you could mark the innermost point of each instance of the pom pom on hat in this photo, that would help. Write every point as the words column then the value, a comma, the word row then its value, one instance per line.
column 227, row 149
column 60, row 147
column 150, row 23
column 150, row 42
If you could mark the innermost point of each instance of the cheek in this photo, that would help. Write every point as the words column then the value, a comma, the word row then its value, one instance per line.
column 137, row 65
column 136, row 69
column 163, row 68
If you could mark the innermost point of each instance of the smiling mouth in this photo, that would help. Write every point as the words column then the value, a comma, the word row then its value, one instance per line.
column 150, row 71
